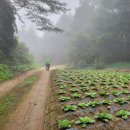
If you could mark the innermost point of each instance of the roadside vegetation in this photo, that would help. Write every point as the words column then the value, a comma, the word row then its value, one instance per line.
column 18, row 62
column 10, row 101
column 121, row 65
column 14, row 55
column 5, row 73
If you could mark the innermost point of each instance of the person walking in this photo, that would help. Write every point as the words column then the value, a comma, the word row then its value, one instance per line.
column 47, row 65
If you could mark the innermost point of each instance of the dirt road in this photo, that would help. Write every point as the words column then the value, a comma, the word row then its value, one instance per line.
column 30, row 113
column 8, row 85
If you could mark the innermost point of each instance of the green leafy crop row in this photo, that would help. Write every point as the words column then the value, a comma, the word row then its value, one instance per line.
column 78, row 90
column 84, row 121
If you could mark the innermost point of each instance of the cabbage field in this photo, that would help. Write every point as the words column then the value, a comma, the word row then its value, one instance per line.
column 92, row 100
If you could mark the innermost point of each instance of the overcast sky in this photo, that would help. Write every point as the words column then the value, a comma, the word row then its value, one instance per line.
column 72, row 4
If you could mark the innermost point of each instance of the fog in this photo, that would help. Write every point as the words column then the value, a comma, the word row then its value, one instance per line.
column 95, row 32
column 43, row 44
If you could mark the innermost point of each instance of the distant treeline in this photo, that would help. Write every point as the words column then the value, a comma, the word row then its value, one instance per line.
column 99, row 32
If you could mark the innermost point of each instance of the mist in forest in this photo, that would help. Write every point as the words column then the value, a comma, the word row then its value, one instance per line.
column 43, row 45
column 51, row 45
column 95, row 32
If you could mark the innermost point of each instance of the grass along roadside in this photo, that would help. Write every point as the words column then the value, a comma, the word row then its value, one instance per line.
column 5, row 73
column 121, row 65
column 10, row 101
column 8, row 72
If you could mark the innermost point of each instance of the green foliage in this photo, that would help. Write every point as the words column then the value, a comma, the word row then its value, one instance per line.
column 115, row 86
column 125, row 92
column 74, row 90
column 63, row 86
column 95, row 88
column 70, row 108
column 84, row 89
column 20, row 54
column 20, row 61
column 4, row 72
column 83, row 105
column 121, row 65
column 100, row 63
column 120, row 100
column 103, row 93
column 104, row 117
column 64, row 124
column 91, row 94
column 84, row 121
column 62, row 98
column 62, row 92
column 94, row 103
column 128, row 98
column 76, row 95
column 106, row 102
column 106, row 87
column 77, row 80
column 123, row 114
column 125, row 86
column 116, row 93
column 21, row 68
column 92, row 84
column 80, row 51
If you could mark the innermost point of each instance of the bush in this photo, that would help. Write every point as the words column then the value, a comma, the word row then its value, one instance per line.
column 100, row 63
column 21, row 68
column 17, row 61
column 5, row 73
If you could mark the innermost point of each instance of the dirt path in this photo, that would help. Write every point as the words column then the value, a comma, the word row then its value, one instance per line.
column 8, row 85
column 30, row 113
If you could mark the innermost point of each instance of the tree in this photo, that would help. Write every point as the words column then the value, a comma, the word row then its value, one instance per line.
column 20, row 54
column 107, row 23
column 7, row 27
column 38, row 10
column 83, row 49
